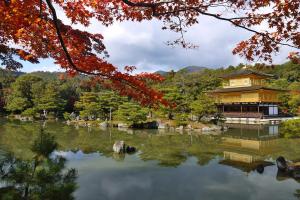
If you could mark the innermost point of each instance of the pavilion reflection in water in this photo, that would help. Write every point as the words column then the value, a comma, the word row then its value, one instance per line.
column 248, row 146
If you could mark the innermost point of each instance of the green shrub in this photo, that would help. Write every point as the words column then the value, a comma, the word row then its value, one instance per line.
column 131, row 113
column 29, row 112
column 290, row 129
column 67, row 116
column 181, row 119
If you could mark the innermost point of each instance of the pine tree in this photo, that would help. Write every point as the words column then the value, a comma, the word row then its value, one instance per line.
column 50, row 99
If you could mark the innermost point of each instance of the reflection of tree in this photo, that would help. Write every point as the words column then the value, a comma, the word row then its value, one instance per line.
column 205, row 158
column 173, row 150
column 297, row 193
column 169, row 148
column 43, row 177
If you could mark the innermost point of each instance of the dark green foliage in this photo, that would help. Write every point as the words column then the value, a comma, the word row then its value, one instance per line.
column 290, row 103
column 21, row 96
column 109, row 102
column 297, row 194
column 291, row 128
column 32, row 94
column 178, row 97
column 43, row 177
column 289, row 71
column 88, row 105
column 69, row 91
column 181, row 119
column 131, row 113
column 17, row 104
column 49, row 98
column 286, row 74
column 29, row 112
column 44, row 145
column 203, row 106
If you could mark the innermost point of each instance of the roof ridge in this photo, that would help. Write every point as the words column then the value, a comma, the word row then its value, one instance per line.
column 242, row 72
column 246, row 88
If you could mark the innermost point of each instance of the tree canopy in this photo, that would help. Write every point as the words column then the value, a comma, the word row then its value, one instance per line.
column 45, row 176
column 30, row 94
column 21, row 96
column 131, row 113
column 32, row 30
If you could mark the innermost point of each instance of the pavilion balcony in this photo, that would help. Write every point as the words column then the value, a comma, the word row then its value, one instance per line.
column 243, row 114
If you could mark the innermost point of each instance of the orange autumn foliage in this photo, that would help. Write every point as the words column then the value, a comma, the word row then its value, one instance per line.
column 31, row 30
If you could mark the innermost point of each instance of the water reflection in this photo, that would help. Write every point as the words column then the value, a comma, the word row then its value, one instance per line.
column 253, row 131
column 168, row 165
column 297, row 193
column 248, row 148
column 42, row 177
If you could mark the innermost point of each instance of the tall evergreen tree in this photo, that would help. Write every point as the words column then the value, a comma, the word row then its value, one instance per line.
column 203, row 106
column 88, row 105
column 21, row 96
column 50, row 99
column 132, row 113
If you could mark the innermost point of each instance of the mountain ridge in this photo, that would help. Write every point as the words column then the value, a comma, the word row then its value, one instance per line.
column 187, row 69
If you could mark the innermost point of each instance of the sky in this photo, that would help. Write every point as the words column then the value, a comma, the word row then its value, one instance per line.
column 144, row 45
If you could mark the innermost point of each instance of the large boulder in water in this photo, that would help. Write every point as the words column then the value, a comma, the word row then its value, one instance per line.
column 281, row 164
column 287, row 169
column 119, row 147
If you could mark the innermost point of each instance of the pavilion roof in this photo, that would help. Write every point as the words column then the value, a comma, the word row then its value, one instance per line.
column 245, row 167
column 243, row 89
column 244, row 72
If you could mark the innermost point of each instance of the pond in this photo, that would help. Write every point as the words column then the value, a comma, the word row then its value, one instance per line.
column 237, row 164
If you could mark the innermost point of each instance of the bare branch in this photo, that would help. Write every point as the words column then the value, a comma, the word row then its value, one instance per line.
column 153, row 6
column 68, row 56
column 231, row 20
column 59, row 35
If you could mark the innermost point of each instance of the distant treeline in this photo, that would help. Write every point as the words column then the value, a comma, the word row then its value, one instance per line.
column 33, row 94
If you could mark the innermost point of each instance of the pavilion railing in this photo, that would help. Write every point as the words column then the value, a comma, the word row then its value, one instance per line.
column 244, row 114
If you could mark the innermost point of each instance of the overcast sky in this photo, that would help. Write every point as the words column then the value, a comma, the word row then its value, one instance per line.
column 143, row 45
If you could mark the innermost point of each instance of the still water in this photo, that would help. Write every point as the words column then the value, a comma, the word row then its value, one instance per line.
column 168, row 165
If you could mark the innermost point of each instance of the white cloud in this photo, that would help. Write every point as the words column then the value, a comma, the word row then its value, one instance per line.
column 44, row 65
column 143, row 45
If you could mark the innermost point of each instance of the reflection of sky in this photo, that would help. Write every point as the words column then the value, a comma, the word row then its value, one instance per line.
column 104, row 178
column 79, row 155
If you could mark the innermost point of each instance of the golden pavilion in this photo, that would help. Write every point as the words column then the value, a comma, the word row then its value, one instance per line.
column 244, row 95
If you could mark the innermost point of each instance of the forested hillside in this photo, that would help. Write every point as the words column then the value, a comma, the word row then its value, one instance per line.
column 35, row 93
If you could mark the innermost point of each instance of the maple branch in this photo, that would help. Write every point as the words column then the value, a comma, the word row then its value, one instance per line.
column 68, row 56
column 59, row 35
column 231, row 20
column 140, row 4
column 153, row 6
column 180, row 28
